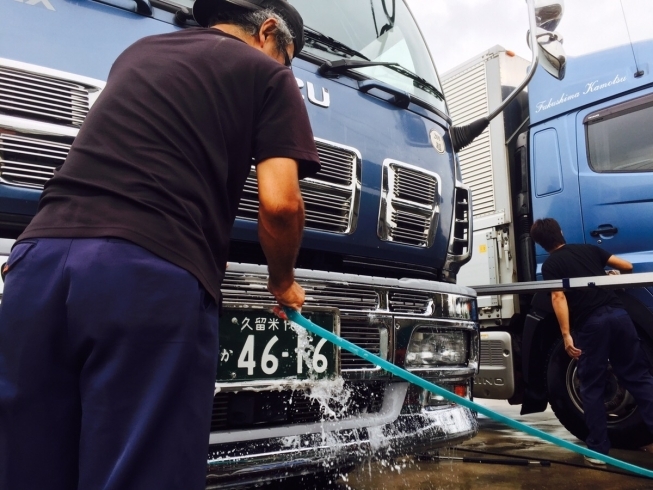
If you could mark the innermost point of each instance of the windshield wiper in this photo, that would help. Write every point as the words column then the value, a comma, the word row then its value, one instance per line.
column 329, row 67
column 419, row 82
column 321, row 41
column 343, row 65
column 325, row 43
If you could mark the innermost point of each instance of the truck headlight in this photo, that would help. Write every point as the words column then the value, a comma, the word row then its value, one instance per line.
column 428, row 347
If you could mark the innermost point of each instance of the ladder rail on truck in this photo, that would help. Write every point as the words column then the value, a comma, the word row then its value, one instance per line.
column 536, row 164
column 387, row 225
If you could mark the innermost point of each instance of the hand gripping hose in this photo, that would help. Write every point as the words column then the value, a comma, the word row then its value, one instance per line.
column 296, row 317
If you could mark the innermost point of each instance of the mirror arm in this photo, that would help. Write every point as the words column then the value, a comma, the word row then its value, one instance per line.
column 535, row 59
column 461, row 136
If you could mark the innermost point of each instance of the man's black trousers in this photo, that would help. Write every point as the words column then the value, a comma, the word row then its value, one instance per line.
column 609, row 334
column 108, row 358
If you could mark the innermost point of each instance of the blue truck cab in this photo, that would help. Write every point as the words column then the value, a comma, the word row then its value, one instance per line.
column 577, row 147
column 387, row 227
column 588, row 160
column 591, row 150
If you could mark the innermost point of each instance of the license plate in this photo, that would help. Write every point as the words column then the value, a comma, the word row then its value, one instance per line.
column 255, row 344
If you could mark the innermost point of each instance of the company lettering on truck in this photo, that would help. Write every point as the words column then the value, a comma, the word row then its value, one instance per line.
column 593, row 86
column 325, row 101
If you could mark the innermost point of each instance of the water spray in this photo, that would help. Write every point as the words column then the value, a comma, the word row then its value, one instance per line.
column 296, row 317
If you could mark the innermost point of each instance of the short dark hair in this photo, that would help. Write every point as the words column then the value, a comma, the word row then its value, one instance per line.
column 252, row 20
column 547, row 233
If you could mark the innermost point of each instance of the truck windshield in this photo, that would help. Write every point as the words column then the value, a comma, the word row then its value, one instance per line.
column 379, row 30
column 373, row 30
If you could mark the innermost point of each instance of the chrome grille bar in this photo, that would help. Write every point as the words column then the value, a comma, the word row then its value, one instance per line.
column 338, row 164
column 78, row 100
column 460, row 240
column 414, row 187
column 42, row 97
column 330, row 197
column 28, row 161
column 409, row 206
column 358, row 330
column 253, row 290
column 410, row 302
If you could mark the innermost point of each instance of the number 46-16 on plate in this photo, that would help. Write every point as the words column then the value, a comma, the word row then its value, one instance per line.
column 255, row 344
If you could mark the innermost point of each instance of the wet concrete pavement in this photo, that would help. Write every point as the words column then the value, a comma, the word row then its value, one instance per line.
column 567, row 470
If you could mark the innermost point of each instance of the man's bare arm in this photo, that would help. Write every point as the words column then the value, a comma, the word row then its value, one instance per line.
column 561, row 309
column 280, row 226
column 620, row 264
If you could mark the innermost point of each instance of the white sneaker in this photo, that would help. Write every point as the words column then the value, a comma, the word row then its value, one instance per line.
column 594, row 462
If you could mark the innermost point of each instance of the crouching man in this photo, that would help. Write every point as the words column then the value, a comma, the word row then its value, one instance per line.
column 603, row 330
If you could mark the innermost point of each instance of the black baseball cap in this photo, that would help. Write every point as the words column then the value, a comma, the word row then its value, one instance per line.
column 204, row 9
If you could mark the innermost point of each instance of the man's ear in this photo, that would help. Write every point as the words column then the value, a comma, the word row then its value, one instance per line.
column 267, row 29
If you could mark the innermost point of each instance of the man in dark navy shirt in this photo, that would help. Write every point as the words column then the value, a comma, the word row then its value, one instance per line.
column 602, row 328
column 109, row 320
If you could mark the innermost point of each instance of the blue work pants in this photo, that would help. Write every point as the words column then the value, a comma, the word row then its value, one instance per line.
column 609, row 334
column 108, row 358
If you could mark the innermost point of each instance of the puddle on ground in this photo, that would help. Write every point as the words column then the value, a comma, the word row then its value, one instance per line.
column 410, row 473
column 566, row 471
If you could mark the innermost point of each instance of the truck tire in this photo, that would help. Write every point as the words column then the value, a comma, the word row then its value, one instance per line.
column 626, row 428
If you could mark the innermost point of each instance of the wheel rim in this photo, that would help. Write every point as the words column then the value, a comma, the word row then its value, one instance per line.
column 619, row 403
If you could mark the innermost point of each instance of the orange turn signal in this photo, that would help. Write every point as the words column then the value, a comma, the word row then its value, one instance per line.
column 460, row 390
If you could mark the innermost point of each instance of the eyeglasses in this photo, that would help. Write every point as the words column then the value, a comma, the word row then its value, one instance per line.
column 286, row 58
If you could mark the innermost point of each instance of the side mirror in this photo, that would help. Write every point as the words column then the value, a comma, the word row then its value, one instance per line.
column 548, row 13
column 552, row 54
column 544, row 16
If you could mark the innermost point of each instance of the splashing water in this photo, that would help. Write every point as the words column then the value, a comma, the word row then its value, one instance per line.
column 331, row 394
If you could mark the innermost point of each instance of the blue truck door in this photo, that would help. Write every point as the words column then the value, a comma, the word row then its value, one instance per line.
column 615, row 159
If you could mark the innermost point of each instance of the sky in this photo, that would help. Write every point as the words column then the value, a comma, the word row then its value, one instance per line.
column 466, row 28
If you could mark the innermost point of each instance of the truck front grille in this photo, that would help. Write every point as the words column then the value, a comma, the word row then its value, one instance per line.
column 365, row 309
column 249, row 410
column 410, row 302
column 409, row 204
column 239, row 289
column 350, row 297
column 28, row 161
column 330, row 197
column 43, row 98
column 358, row 330
column 414, row 186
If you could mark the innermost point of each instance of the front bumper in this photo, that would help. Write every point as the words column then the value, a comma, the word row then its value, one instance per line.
column 331, row 446
column 378, row 314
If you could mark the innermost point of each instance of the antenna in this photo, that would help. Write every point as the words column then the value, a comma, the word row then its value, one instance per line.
column 639, row 72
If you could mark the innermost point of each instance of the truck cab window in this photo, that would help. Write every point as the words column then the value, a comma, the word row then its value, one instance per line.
column 380, row 30
column 620, row 140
